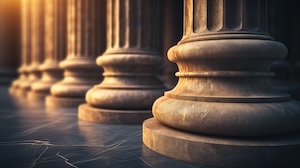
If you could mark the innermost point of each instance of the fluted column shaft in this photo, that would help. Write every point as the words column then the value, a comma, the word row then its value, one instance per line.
column 55, row 46
column 36, row 43
column 86, row 41
column 26, row 40
column 37, row 38
column 129, row 62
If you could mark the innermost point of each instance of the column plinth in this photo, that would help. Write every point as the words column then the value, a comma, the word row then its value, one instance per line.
column 224, row 90
column 55, row 48
column 86, row 41
column 130, row 83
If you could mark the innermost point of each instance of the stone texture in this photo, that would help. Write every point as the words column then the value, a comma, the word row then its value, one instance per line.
column 224, row 87
column 129, row 62
column 112, row 116
column 55, row 47
column 224, row 61
column 37, row 44
column 218, row 151
column 86, row 41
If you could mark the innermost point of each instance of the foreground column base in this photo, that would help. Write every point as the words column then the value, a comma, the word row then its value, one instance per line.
column 91, row 114
column 276, row 151
column 58, row 102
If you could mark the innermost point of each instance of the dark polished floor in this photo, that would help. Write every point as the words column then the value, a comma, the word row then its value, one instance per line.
column 32, row 136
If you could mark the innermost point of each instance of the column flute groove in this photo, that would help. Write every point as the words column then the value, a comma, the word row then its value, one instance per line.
column 130, row 82
column 224, row 100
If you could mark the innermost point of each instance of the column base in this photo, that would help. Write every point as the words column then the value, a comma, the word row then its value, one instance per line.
column 276, row 151
column 92, row 114
column 57, row 102
column 36, row 96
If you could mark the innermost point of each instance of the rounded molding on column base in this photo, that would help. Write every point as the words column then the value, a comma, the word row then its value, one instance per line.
column 108, row 116
column 36, row 96
column 258, row 152
column 63, row 102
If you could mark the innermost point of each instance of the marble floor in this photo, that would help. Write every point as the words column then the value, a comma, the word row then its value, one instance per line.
column 33, row 136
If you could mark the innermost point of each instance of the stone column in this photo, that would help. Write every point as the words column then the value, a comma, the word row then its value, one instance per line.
column 37, row 43
column 86, row 41
column 16, row 87
column 55, row 47
column 224, row 111
column 130, row 83
column 9, row 40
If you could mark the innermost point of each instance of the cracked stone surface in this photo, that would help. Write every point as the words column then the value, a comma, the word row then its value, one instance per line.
column 34, row 136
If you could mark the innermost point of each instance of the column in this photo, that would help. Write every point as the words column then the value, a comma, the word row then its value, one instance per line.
column 37, row 43
column 16, row 87
column 55, row 48
column 224, row 111
column 86, row 41
column 9, row 40
column 130, row 83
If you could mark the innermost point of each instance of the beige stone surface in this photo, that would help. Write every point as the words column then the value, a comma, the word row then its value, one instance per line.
column 224, row 74
column 220, row 151
column 98, row 115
